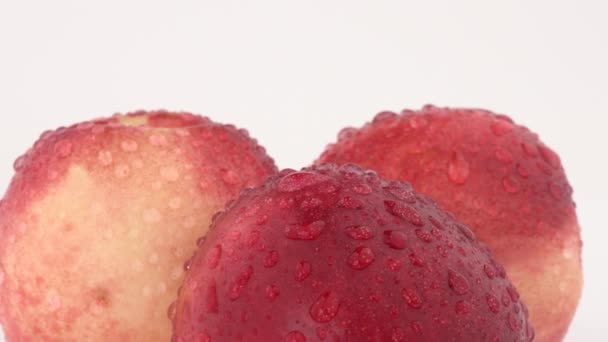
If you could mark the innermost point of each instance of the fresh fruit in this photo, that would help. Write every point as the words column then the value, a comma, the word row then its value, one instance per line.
column 498, row 178
column 341, row 255
column 100, row 217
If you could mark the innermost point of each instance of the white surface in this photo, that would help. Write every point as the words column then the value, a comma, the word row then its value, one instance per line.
column 295, row 72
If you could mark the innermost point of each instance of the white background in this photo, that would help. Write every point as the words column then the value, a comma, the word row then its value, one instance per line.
column 295, row 72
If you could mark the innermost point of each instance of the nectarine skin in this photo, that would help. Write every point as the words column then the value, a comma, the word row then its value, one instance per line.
column 100, row 217
column 497, row 177
column 339, row 254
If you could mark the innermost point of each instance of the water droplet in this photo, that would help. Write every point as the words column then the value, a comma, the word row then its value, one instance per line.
column 549, row 156
column 239, row 283
column 346, row 133
column 514, row 322
column 416, row 259
column 362, row 189
column 418, row 121
column 349, row 202
column 105, row 157
column 503, row 156
column 152, row 216
column 305, row 232
column 493, row 303
column 272, row 292
column 395, row 239
column 326, row 307
column 506, row 300
column 361, row 258
column 513, row 294
column 555, row 191
column 457, row 283
column 322, row 333
column 404, row 211
column 436, row 222
column 458, row 169
column 384, row 116
column 211, row 300
column 510, row 184
column 417, row 327
column 393, row 264
column 398, row 335
column 359, row 232
column 424, row 235
column 529, row 149
column 213, row 256
column 230, row 177
column 490, row 271
column 412, row 298
column 63, row 148
column 19, row 162
column 501, row 127
column 523, row 171
column 401, row 192
column 300, row 180
column 169, row 173
column 129, row 145
column 122, row 171
column 468, row 233
column 303, row 270
column 271, row 259
column 172, row 311
column 462, row 307
column 295, row 336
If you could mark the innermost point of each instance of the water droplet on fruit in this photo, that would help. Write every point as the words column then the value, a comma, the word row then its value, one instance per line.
column 122, row 171
column 466, row 231
column 361, row 258
column 305, row 232
column 457, row 283
column 211, row 300
column 503, row 156
column 230, row 177
column 462, row 307
column 523, row 171
column 105, row 157
column 295, row 336
column 63, row 148
column 416, row 259
column 411, row 297
column 271, row 259
column 514, row 323
column 172, row 311
column 19, row 162
column 383, row 116
column 213, row 257
column 555, row 191
column 303, row 270
column 402, row 192
column 393, row 264
column 349, row 202
column 424, row 235
column 362, row 189
column 506, row 300
column 359, row 232
column 549, row 156
column 272, row 292
column 169, row 173
column 493, row 303
column 395, row 239
column 404, row 211
column 300, row 180
column 510, row 184
column 458, row 169
column 239, row 283
column 326, row 307
column 501, row 127
column 490, row 271
column 513, row 294
column 129, row 145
